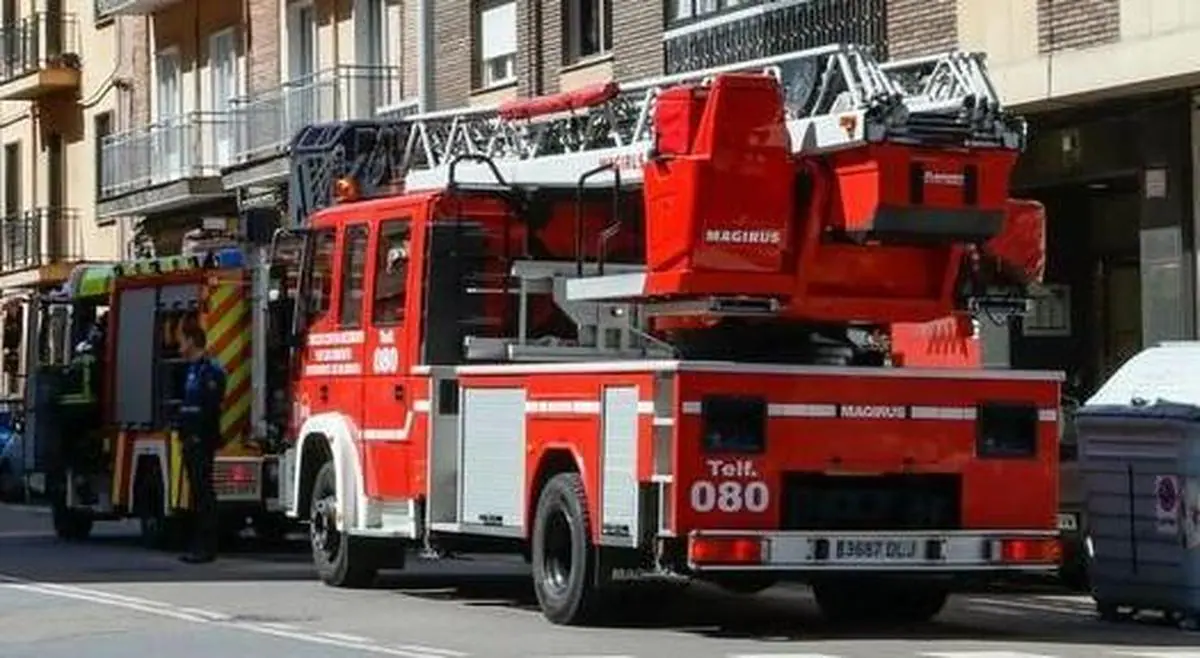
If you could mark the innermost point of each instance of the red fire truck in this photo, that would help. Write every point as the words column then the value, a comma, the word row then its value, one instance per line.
column 721, row 325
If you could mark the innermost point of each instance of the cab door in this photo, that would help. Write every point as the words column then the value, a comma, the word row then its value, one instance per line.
column 312, row 389
column 344, row 356
column 390, row 421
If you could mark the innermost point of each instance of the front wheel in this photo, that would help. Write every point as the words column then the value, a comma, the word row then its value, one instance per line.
column 564, row 562
column 341, row 560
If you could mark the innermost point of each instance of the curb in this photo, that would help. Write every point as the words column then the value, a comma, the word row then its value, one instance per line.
column 25, row 508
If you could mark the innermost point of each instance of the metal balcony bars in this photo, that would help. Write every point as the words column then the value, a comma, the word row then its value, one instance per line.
column 190, row 145
column 38, row 41
column 38, row 237
column 266, row 122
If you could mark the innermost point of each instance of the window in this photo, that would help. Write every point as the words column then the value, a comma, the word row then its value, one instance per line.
column 321, row 287
column 12, row 180
column 354, row 276
column 587, row 29
column 682, row 10
column 102, row 126
column 495, row 42
column 391, row 271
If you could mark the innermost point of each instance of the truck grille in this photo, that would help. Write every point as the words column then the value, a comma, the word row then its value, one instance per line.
column 814, row 501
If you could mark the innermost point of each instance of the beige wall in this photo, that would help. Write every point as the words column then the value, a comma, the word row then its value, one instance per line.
column 29, row 123
column 1154, row 48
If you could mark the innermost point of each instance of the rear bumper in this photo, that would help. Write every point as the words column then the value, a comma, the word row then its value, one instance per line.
column 945, row 552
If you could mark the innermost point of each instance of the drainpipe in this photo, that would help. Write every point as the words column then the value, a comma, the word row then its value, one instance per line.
column 425, row 61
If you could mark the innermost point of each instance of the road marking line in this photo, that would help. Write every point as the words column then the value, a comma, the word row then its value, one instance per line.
column 207, row 614
column 196, row 616
column 1186, row 653
column 328, row 641
column 96, row 593
column 985, row 654
column 346, row 637
column 279, row 626
column 162, row 612
column 781, row 655
column 434, row 650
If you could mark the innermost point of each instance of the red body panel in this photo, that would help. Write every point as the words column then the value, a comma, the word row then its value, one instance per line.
column 831, row 445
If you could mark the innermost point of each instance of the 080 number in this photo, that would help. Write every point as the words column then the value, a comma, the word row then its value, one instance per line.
column 730, row 496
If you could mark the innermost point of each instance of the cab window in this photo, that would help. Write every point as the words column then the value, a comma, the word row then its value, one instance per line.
column 321, row 289
column 391, row 270
column 354, row 277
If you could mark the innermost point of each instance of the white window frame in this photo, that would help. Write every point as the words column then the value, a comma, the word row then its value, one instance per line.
column 501, row 67
column 220, row 101
column 173, row 53
column 291, row 26
column 573, row 31
column 169, row 160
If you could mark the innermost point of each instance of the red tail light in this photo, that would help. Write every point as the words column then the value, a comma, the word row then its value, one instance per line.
column 726, row 550
column 240, row 474
column 1027, row 551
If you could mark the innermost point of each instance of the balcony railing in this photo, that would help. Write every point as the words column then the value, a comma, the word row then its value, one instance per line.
column 187, row 146
column 744, row 32
column 38, row 42
column 267, row 121
column 107, row 8
column 39, row 237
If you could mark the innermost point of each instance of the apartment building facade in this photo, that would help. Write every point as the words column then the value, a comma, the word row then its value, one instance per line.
column 219, row 88
column 213, row 91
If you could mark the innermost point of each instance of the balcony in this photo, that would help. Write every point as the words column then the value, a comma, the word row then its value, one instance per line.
column 39, row 246
column 39, row 55
column 266, row 122
column 168, row 165
column 110, row 8
column 741, row 33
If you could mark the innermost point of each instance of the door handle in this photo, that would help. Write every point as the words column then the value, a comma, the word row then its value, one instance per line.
column 323, row 393
column 397, row 392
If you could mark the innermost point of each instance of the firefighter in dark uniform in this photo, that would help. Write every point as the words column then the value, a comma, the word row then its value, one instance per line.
column 200, row 429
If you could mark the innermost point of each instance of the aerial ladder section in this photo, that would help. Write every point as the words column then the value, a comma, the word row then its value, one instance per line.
column 836, row 97
column 912, row 154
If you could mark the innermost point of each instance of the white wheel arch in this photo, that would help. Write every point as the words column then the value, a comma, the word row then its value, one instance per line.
column 342, row 434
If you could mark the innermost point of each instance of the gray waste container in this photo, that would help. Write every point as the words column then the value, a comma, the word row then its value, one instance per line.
column 1139, row 443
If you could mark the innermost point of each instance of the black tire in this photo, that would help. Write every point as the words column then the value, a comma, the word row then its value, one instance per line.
column 341, row 560
column 564, row 560
column 879, row 603
column 69, row 524
column 156, row 530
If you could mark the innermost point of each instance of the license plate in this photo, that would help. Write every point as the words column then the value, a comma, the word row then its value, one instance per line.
column 876, row 550
column 1068, row 522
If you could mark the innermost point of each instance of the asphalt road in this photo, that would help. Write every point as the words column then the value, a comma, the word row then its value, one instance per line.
column 110, row 598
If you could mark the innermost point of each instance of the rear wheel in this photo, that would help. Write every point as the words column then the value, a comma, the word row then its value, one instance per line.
column 564, row 562
column 157, row 531
column 341, row 560
column 889, row 603
column 69, row 524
